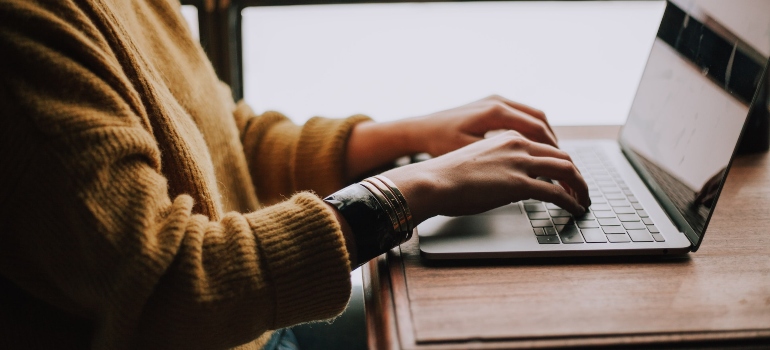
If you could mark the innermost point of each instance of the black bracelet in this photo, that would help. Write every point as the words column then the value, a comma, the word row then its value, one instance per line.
column 371, row 225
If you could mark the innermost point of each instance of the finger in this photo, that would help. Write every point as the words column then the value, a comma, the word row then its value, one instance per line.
column 544, row 150
column 526, row 109
column 563, row 171
column 529, row 126
column 552, row 193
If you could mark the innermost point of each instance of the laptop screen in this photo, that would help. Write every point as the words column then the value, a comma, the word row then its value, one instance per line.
column 704, row 68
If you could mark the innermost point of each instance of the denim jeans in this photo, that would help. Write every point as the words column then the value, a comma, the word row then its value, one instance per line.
column 282, row 339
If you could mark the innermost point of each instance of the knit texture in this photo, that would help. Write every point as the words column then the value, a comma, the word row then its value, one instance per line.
column 129, row 178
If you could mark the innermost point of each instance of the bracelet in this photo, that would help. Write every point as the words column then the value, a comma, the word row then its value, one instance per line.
column 384, row 204
column 394, row 202
column 390, row 202
column 377, row 213
column 402, row 201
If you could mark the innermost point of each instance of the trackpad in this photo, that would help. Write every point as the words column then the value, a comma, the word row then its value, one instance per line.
column 469, row 233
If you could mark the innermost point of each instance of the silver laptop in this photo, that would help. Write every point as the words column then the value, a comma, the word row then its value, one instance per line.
column 653, row 191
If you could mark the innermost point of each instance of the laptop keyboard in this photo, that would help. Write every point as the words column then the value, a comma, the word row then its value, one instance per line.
column 615, row 215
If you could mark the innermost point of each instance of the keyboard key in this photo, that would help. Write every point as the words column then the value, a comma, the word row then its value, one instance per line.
column 637, row 206
column 586, row 216
column 632, row 198
column 551, row 206
column 609, row 222
column 594, row 193
column 598, row 200
column 652, row 229
column 624, row 210
column 604, row 214
column 539, row 231
column 611, row 189
column 615, row 196
column 604, row 183
column 633, row 225
column 563, row 221
column 534, row 207
column 550, row 231
column 559, row 213
column 620, row 203
column 541, row 223
column 640, row 235
column 647, row 221
column 642, row 213
column 628, row 217
column 559, row 228
column 570, row 234
column 613, row 229
column 615, row 238
column 628, row 192
column 587, row 224
column 538, row 215
column 548, row 239
column 658, row 237
column 595, row 207
column 594, row 235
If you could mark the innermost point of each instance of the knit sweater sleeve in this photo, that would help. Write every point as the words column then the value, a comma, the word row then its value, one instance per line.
column 285, row 158
column 89, row 227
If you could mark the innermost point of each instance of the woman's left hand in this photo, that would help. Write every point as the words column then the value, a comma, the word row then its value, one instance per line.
column 372, row 145
column 455, row 128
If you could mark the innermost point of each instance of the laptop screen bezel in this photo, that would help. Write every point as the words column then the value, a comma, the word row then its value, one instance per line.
column 660, row 195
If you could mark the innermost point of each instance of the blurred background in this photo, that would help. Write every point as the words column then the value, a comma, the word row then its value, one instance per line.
column 579, row 61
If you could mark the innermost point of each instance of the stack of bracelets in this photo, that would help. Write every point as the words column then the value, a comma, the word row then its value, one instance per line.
column 377, row 213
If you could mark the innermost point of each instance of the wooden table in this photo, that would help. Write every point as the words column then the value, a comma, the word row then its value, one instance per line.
column 718, row 295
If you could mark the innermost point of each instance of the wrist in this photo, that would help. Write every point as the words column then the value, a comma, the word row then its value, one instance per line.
column 407, row 132
column 374, row 145
column 412, row 133
column 377, row 218
column 419, row 188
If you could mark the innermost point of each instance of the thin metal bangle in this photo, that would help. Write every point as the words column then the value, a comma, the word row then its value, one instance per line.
column 385, row 190
column 384, row 203
column 401, row 198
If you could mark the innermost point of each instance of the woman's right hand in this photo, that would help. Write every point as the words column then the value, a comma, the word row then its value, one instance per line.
column 488, row 174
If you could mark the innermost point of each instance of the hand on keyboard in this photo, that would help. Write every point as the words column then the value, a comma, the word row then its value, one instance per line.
column 491, row 173
column 615, row 216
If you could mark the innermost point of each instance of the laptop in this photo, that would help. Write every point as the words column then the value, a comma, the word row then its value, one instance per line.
column 654, row 189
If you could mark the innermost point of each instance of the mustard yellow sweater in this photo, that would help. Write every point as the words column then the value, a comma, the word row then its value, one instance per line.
column 129, row 183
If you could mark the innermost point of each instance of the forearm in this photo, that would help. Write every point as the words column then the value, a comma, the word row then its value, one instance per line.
column 285, row 158
column 373, row 145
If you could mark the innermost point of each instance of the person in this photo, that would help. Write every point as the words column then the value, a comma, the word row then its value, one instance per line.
column 143, row 208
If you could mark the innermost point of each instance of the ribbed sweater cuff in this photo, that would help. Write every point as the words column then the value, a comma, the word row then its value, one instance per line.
column 304, row 252
column 322, row 153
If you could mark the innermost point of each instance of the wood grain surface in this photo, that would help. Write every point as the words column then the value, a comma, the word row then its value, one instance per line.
column 718, row 295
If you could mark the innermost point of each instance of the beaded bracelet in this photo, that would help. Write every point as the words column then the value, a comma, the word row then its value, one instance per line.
column 377, row 213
